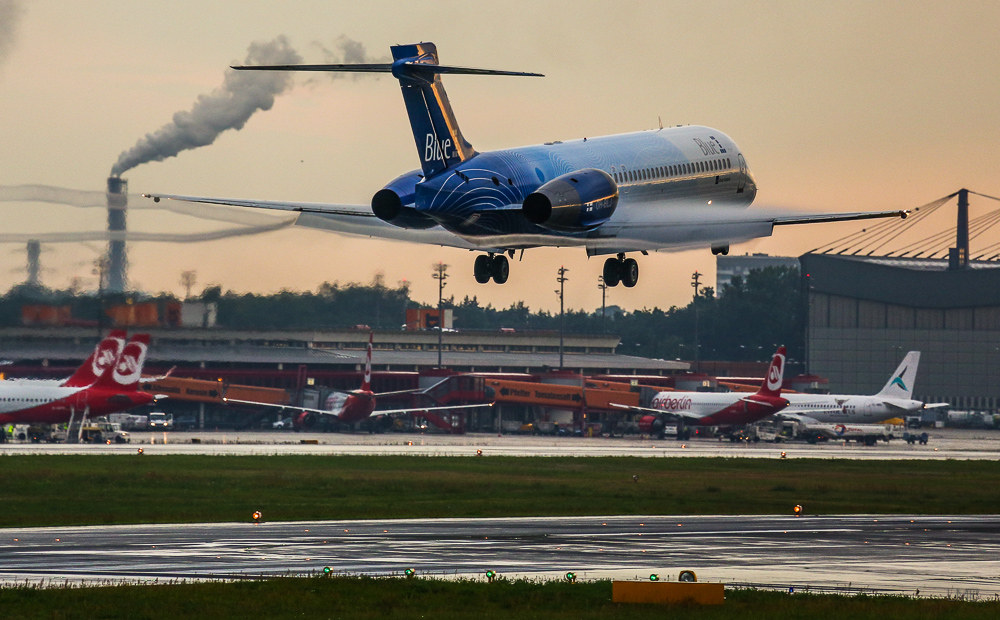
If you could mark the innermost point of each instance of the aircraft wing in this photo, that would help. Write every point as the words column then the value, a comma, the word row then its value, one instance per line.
column 377, row 412
column 342, row 218
column 816, row 218
column 653, row 229
column 936, row 405
column 276, row 406
column 634, row 409
column 419, row 409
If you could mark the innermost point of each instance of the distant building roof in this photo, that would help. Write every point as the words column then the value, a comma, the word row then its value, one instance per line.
column 344, row 349
column 915, row 282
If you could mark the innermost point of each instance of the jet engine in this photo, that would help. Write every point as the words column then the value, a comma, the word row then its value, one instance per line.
column 575, row 202
column 651, row 425
column 394, row 203
column 305, row 420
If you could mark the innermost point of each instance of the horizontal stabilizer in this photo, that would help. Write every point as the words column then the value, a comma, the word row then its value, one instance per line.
column 387, row 68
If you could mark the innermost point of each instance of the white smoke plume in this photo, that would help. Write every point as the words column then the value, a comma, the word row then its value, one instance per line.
column 347, row 51
column 10, row 15
column 229, row 107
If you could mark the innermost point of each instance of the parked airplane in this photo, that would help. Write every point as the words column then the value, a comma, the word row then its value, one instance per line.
column 115, row 390
column 716, row 408
column 666, row 189
column 350, row 407
column 893, row 401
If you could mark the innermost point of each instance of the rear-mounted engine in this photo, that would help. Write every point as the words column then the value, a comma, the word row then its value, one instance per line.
column 574, row 202
column 394, row 204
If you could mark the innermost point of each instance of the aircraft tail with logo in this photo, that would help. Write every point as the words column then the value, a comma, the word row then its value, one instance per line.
column 125, row 374
column 771, row 386
column 900, row 385
column 366, row 384
column 103, row 358
column 440, row 143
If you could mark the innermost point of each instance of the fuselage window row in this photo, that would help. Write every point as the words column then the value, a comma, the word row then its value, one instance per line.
column 646, row 174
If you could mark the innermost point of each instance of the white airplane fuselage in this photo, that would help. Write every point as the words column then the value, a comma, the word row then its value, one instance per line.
column 717, row 408
column 850, row 409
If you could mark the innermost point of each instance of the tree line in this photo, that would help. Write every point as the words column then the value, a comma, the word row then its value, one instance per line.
column 745, row 322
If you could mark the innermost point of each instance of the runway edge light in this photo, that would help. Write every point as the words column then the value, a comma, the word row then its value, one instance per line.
column 571, row 577
column 409, row 572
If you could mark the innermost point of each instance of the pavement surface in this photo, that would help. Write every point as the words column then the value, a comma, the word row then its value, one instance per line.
column 957, row 444
column 916, row 555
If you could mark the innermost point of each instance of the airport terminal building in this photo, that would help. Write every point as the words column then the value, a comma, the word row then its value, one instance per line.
column 866, row 312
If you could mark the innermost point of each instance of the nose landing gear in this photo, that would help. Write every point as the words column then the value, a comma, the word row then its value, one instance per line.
column 489, row 266
column 621, row 269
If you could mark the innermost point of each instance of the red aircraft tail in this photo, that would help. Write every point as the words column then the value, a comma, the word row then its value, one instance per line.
column 124, row 375
column 103, row 358
column 771, row 385
column 366, row 384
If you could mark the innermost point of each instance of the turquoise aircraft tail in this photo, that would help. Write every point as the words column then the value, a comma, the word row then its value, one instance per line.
column 900, row 385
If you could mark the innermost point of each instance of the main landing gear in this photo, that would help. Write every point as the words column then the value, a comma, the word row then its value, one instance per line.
column 621, row 269
column 492, row 266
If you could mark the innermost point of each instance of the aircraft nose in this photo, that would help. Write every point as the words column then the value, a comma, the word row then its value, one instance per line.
column 751, row 186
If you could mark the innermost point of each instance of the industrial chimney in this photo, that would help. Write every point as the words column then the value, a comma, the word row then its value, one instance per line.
column 117, row 211
column 34, row 262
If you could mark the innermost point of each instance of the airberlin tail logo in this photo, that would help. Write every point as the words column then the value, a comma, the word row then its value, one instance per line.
column 106, row 356
column 129, row 366
column 775, row 373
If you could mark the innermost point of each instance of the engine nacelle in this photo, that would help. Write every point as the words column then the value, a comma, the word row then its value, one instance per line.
column 394, row 203
column 650, row 425
column 305, row 420
column 576, row 202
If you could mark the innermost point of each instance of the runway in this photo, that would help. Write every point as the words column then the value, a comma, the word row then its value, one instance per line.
column 939, row 556
column 959, row 444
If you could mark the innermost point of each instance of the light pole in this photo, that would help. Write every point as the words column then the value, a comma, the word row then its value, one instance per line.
column 562, row 289
column 697, row 349
column 440, row 274
column 604, row 291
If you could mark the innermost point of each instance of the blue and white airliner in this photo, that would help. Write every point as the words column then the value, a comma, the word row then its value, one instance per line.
column 665, row 189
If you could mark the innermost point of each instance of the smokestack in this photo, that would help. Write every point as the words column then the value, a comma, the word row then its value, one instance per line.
column 34, row 262
column 117, row 257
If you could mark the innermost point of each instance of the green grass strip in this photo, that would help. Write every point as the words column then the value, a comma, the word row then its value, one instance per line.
column 390, row 598
column 79, row 490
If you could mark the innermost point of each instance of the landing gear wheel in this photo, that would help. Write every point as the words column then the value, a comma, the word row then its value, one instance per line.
column 612, row 275
column 500, row 268
column 629, row 272
column 483, row 268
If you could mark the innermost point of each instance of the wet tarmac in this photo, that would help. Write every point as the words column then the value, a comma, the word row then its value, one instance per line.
column 943, row 444
column 930, row 556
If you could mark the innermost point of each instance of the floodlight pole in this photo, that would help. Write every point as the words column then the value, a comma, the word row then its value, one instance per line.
column 697, row 349
column 562, row 289
column 440, row 274
column 604, row 291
